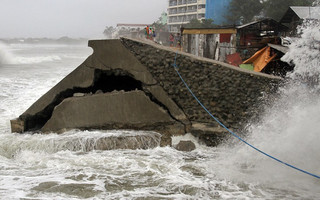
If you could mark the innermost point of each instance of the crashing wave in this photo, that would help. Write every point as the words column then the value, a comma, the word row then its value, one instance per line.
column 35, row 60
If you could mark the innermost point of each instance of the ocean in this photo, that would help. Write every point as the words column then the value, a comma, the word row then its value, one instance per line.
column 34, row 166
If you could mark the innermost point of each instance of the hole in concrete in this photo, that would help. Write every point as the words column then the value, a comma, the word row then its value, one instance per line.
column 106, row 81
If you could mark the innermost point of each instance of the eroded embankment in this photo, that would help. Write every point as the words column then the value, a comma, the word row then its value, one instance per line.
column 127, row 84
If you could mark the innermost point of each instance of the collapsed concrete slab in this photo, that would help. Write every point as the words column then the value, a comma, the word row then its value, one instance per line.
column 117, row 110
column 128, row 84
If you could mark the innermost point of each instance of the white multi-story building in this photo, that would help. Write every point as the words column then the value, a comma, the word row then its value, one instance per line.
column 182, row 11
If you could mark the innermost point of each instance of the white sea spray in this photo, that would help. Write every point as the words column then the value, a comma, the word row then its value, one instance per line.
column 288, row 129
column 6, row 56
column 304, row 52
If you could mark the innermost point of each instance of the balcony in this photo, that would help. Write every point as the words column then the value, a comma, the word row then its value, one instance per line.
column 180, row 19
column 201, row 17
column 172, row 3
column 179, row 12
column 178, row 22
column 191, row 10
column 192, row 1
column 186, row 3
column 202, row 10
column 183, row 2
column 201, row 1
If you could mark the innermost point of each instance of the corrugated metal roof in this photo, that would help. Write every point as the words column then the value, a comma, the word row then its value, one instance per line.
column 269, row 21
column 209, row 31
column 248, row 24
column 305, row 12
column 279, row 48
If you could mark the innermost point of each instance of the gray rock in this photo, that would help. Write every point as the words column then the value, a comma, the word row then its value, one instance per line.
column 186, row 146
column 78, row 94
column 99, row 92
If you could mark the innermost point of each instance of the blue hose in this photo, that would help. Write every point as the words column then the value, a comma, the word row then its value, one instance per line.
column 235, row 135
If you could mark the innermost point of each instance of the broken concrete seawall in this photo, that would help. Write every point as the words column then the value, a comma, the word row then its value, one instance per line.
column 130, row 84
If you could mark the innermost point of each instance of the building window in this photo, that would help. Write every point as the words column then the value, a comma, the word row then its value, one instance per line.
column 173, row 3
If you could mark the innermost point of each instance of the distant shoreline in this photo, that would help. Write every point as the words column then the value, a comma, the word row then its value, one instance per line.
column 62, row 40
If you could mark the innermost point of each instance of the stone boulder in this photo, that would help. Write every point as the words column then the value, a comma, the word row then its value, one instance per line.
column 185, row 146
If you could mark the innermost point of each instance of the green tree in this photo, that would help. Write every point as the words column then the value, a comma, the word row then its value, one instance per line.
column 275, row 9
column 243, row 10
column 193, row 23
column 207, row 23
column 160, row 24
column 246, row 10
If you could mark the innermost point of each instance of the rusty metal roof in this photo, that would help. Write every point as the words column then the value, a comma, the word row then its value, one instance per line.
column 302, row 12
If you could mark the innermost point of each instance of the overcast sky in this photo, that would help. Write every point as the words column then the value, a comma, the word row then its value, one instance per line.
column 73, row 18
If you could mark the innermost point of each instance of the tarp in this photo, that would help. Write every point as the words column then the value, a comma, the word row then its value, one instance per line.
column 234, row 59
column 247, row 66
column 260, row 59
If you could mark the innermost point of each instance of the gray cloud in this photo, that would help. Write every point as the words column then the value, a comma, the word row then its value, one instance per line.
column 74, row 18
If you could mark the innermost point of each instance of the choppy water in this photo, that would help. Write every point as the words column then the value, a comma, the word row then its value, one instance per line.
column 42, row 167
